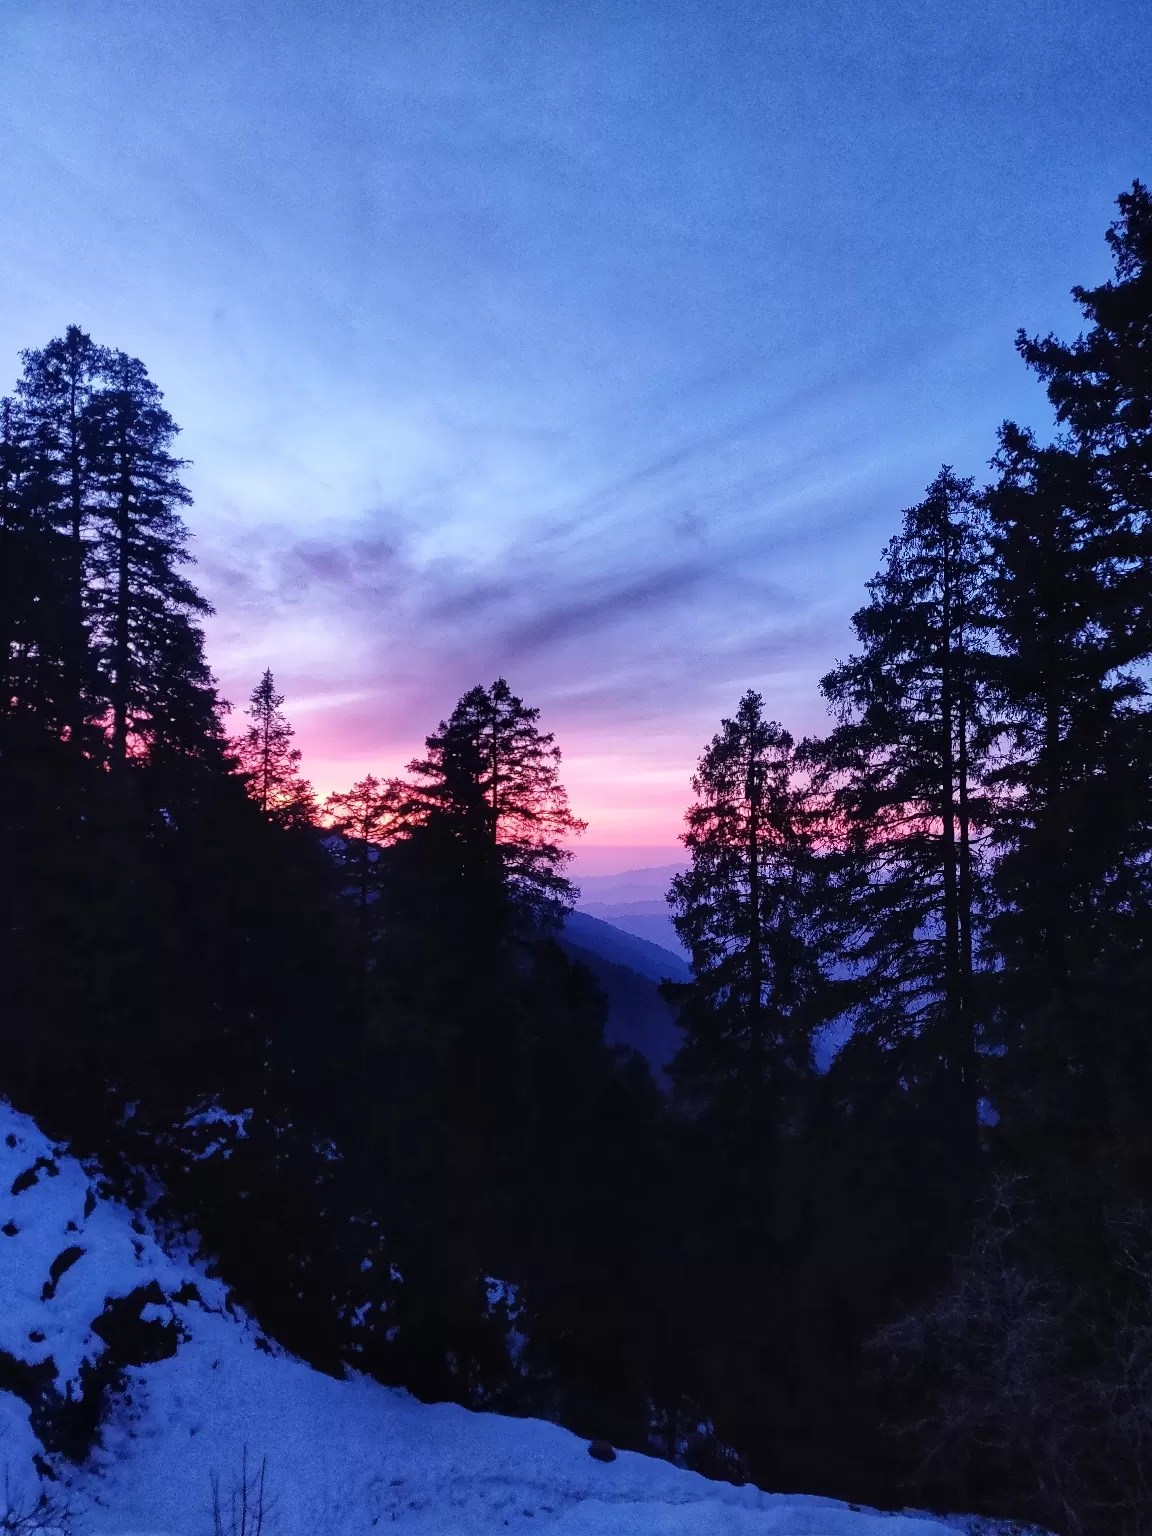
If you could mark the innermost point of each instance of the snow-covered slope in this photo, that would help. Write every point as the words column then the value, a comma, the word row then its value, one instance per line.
column 95, row 1315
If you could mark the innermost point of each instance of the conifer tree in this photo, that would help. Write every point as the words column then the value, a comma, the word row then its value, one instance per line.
column 57, row 496
column 1072, row 590
column 27, row 587
column 749, row 910
column 908, row 754
column 148, row 648
column 1073, row 539
column 508, row 1138
column 1100, row 385
column 1073, row 822
column 41, row 778
column 772, row 1174
column 1069, row 616
column 269, row 759
column 1072, row 620
column 491, row 772
column 34, row 601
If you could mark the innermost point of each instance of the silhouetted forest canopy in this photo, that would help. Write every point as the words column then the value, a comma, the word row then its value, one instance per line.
column 885, row 1234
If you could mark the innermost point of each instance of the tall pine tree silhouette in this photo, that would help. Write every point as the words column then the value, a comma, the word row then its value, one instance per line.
column 1056, row 1276
column 1072, row 537
column 494, row 1110
column 908, row 755
column 1100, row 385
column 749, row 910
column 491, row 770
column 148, row 648
column 30, row 608
column 56, row 506
column 1071, row 617
column 269, row 759
column 1073, row 541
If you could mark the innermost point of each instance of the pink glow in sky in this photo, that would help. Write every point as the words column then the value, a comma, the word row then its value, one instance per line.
column 626, row 797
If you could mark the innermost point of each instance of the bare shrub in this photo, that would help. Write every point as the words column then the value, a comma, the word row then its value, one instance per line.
column 1033, row 1391
column 41, row 1515
column 246, row 1509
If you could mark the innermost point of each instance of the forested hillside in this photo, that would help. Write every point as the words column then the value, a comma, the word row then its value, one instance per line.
column 887, row 1237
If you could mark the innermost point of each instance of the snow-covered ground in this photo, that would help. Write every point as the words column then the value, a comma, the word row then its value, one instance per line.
column 341, row 1457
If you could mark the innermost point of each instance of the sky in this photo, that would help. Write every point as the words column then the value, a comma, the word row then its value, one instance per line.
column 597, row 344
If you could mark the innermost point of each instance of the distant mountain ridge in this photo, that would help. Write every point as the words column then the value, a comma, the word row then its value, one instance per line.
column 646, row 920
column 636, row 902
column 624, row 948
column 649, row 884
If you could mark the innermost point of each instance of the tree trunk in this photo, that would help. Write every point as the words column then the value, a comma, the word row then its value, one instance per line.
column 755, row 790
column 952, row 1009
column 266, row 755
column 1053, row 834
column 76, row 641
column 965, row 892
column 9, row 634
column 121, row 661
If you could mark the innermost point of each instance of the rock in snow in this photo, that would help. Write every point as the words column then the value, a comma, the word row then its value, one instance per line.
column 102, row 1330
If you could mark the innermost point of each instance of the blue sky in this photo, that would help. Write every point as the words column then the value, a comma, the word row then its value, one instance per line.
column 598, row 345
